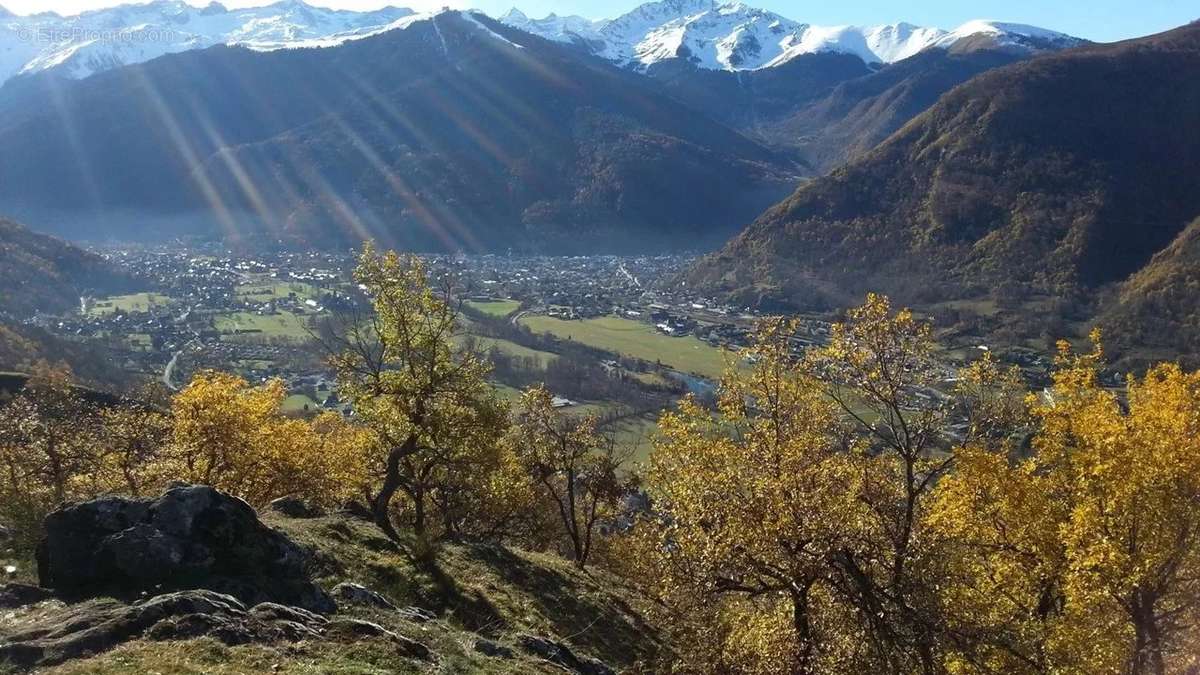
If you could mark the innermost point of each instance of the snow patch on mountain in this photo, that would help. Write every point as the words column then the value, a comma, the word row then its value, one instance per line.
column 568, row 29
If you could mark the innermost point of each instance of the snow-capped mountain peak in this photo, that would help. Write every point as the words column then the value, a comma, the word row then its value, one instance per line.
column 1003, row 34
column 737, row 36
column 97, row 40
column 569, row 29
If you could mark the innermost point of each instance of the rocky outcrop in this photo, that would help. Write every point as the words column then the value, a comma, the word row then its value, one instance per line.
column 20, row 595
column 493, row 649
column 296, row 507
column 93, row 627
column 562, row 655
column 191, row 537
column 356, row 594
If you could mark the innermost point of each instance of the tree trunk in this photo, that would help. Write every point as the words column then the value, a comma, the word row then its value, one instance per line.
column 382, row 504
column 418, row 497
column 802, row 625
column 1147, row 651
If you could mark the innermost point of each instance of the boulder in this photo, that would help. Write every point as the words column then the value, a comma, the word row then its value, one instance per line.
column 356, row 594
column 6, row 535
column 296, row 507
column 13, row 596
column 191, row 537
column 493, row 649
column 562, row 655
column 358, row 510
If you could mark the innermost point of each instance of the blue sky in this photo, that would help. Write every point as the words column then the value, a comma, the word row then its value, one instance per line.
column 1102, row 20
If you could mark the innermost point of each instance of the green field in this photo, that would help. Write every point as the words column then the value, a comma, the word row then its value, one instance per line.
column 639, row 340
column 499, row 308
column 299, row 403
column 137, row 302
column 265, row 291
column 485, row 345
column 284, row 325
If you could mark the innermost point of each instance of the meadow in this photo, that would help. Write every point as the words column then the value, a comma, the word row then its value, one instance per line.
column 639, row 340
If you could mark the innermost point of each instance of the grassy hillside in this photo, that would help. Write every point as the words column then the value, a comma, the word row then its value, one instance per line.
column 1158, row 308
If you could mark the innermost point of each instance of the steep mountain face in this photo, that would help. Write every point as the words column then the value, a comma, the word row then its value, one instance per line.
column 43, row 274
column 734, row 36
column 857, row 114
column 1059, row 174
column 757, row 101
column 1159, row 307
column 826, row 108
column 448, row 132
column 38, row 272
column 91, row 42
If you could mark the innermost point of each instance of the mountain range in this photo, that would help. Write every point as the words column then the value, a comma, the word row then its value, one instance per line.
column 317, row 127
column 993, row 163
column 449, row 131
column 725, row 36
column 736, row 37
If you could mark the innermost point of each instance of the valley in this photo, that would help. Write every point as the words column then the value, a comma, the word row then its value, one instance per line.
column 261, row 316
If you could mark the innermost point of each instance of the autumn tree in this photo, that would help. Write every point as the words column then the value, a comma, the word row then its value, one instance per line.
column 235, row 437
column 751, row 504
column 132, row 437
column 572, row 465
column 437, row 418
column 879, row 370
column 1084, row 557
column 48, row 449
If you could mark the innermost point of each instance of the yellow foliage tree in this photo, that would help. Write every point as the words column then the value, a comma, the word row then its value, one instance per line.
column 48, row 449
column 233, row 436
column 438, row 419
column 132, row 437
column 752, row 503
column 1085, row 557
column 572, row 465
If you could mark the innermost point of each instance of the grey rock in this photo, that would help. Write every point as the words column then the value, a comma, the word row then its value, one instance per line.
column 95, row 626
column 191, row 537
column 493, row 649
column 22, row 595
column 354, row 630
column 417, row 615
column 562, row 655
column 358, row 510
column 357, row 594
column 296, row 507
